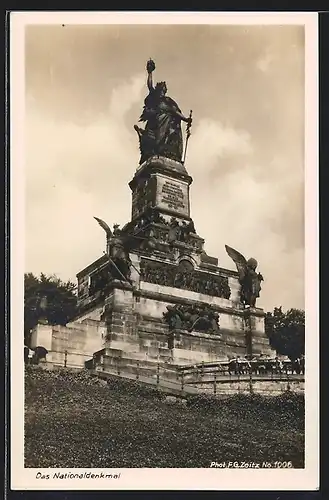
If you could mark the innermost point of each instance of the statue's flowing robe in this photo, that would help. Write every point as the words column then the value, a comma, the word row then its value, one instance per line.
column 162, row 126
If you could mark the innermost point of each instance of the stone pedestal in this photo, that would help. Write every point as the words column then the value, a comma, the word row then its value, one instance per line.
column 162, row 184
column 256, row 340
column 119, row 316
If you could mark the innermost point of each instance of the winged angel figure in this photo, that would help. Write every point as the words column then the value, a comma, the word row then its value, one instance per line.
column 249, row 279
column 117, row 248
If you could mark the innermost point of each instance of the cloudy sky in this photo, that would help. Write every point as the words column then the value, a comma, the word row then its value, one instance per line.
column 85, row 87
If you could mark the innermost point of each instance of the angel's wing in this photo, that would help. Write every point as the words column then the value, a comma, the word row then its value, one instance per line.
column 104, row 226
column 238, row 259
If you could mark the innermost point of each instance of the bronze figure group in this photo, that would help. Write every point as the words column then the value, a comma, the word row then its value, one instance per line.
column 196, row 281
column 201, row 318
column 162, row 116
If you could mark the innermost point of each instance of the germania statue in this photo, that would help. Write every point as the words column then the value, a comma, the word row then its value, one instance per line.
column 249, row 279
column 163, row 133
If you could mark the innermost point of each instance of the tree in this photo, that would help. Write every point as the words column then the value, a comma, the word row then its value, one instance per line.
column 286, row 331
column 61, row 301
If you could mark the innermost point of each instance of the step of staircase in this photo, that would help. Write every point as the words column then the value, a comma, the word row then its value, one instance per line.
column 141, row 363
column 118, row 349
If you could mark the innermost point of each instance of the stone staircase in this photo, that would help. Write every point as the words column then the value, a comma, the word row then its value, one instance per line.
column 137, row 364
column 138, row 358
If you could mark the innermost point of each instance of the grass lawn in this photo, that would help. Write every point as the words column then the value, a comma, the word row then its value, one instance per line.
column 75, row 420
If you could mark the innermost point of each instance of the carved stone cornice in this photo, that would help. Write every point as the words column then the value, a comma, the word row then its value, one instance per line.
column 174, row 299
column 160, row 164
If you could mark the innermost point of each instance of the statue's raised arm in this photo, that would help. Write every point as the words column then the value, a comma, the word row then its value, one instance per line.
column 150, row 67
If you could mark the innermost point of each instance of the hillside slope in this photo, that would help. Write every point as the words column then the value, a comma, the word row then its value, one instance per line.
column 75, row 420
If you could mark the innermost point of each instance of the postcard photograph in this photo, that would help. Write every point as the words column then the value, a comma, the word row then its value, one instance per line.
column 164, row 251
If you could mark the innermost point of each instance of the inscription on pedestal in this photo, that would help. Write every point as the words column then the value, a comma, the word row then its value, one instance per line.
column 172, row 195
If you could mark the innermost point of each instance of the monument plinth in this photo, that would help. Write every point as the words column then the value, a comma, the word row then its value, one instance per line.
column 178, row 303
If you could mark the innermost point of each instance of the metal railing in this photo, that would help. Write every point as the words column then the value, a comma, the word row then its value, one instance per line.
column 256, row 367
column 64, row 361
column 203, row 375
column 254, row 371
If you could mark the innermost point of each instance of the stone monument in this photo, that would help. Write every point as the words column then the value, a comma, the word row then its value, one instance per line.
column 157, row 290
column 156, row 294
